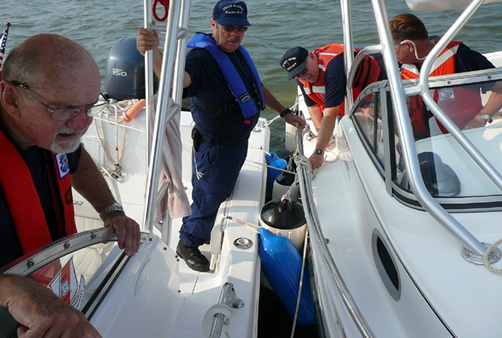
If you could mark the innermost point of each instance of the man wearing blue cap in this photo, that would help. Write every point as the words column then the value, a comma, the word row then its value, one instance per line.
column 227, row 97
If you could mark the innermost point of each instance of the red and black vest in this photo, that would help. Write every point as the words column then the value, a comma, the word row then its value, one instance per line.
column 368, row 72
column 23, row 200
column 460, row 104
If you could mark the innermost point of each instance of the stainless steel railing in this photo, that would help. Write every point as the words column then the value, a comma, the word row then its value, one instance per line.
column 171, row 86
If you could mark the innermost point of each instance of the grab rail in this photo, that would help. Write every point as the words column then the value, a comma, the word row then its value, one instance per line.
column 171, row 85
column 217, row 318
column 406, row 135
column 317, row 239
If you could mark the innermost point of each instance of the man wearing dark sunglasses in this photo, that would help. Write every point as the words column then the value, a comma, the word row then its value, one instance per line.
column 49, row 92
column 227, row 97
column 321, row 77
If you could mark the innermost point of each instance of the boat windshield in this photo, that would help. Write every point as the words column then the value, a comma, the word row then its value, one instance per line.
column 447, row 169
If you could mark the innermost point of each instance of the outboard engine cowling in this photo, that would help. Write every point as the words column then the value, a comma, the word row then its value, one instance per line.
column 125, row 71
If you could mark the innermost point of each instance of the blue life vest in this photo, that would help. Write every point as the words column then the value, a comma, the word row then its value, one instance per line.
column 244, row 100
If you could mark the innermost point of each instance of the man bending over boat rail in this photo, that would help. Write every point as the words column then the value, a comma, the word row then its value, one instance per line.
column 462, row 104
column 224, row 117
column 49, row 92
column 321, row 77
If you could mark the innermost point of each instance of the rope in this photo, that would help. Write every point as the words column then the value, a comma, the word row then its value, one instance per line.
column 487, row 254
column 331, row 151
column 292, row 108
column 249, row 225
column 269, row 166
column 298, row 300
column 113, row 110
column 197, row 172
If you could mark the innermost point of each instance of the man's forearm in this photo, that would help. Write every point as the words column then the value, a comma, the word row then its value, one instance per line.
column 90, row 183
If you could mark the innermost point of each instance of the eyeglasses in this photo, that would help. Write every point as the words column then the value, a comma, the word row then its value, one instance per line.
column 297, row 76
column 232, row 28
column 64, row 114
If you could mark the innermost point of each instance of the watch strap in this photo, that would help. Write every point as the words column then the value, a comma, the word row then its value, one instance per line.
column 113, row 207
column 486, row 117
column 285, row 112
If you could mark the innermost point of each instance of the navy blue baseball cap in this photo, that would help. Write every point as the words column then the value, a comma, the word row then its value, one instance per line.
column 294, row 61
column 231, row 13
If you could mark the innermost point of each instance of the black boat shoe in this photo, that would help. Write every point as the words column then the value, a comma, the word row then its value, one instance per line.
column 192, row 256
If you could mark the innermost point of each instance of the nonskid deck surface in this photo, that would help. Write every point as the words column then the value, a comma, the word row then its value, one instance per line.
column 197, row 291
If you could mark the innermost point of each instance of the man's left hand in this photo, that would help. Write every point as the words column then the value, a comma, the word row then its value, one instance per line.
column 295, row 120
column 127, row 230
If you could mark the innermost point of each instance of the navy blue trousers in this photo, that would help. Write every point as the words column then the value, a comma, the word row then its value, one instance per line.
column 214, row 174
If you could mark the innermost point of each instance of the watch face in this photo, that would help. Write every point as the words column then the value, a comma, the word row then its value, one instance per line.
column 485, row 116
column 319, row 151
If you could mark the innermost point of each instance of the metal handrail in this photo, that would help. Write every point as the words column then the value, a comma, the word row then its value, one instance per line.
column 447, row 123
column 229, row 298
column 403, row 125
column 317, row 240
column 171, row 85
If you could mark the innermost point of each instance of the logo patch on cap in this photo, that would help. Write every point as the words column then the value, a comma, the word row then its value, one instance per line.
column 233, row 9
column 63, row 166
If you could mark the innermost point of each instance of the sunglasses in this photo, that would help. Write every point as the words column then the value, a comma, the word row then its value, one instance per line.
column 232, row 28
column 297, row 76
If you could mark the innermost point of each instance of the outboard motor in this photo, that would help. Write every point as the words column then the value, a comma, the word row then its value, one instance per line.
column 125, row 71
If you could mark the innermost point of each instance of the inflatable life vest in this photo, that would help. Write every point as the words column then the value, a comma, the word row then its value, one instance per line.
column 242, row 96
column 461, row 104
column 368, row 72
column 23, row 200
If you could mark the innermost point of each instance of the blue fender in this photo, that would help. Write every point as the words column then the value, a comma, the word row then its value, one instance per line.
column 272, row 173
column 282, row 264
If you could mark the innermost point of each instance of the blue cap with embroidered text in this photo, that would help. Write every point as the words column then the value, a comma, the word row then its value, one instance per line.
column 294, row 61
column 231, row 13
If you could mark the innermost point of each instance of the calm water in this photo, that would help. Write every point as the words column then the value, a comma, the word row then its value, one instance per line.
column 276, row 27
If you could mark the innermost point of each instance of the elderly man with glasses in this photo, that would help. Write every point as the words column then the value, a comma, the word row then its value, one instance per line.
column 49, row 92
column 227, row 97
column 321, row 77
column 462, row 104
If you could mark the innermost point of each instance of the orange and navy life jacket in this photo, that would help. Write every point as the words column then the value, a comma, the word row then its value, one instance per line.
column 460, row 104
column 368, row 72
column 23, row 200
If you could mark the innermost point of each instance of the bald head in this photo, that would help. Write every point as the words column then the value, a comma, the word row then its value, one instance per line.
column 47, row 58
column 58, row 73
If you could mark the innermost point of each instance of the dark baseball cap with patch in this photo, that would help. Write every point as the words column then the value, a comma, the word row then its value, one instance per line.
column 231, row 13
column 294, row 61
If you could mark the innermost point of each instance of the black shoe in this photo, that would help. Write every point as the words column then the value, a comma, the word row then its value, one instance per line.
column 192, row 256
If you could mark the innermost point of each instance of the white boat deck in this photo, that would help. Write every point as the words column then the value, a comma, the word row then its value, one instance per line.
column 196, row 292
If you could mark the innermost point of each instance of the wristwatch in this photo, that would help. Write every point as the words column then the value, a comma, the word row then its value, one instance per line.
column 114, row 207
column 486, row 117
column 319, row 151
column 285, row 112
